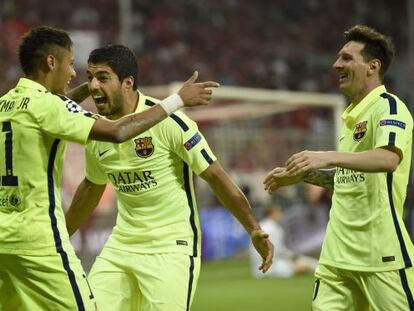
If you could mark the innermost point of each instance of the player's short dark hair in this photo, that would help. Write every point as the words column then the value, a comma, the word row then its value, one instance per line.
column 37, row 43
column 377, row 45
column 120, row 58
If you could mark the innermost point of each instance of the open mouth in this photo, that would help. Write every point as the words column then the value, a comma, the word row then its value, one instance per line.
column 99, row 99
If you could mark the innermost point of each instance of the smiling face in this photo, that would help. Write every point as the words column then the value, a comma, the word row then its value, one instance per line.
column 106, row 90
column 354, row 72
column 63, row 71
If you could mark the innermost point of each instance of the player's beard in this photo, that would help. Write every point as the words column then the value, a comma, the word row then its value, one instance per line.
column 113, row 108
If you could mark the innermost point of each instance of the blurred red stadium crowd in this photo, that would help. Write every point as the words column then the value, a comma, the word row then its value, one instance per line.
column 272, row 44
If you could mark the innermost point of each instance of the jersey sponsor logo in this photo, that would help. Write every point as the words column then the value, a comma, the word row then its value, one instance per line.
column 144, row 147
column 189, row 144
column 360, row 130
column 14, row 200
column 391, row 122
column 10, row 203
column 347, row 176
column 134, row 181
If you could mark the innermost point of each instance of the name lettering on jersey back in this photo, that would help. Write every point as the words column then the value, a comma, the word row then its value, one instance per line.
column 347, row 176
column 9, row 105
column 132, row 181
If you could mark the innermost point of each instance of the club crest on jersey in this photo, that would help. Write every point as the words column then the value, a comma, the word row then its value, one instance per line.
column 360, row 130
column 144, row 147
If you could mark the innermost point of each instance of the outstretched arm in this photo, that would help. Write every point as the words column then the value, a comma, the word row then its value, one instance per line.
column 384, row 159
column 234, row 200
column 309, row 166
column 85, row 200
column 191, row 94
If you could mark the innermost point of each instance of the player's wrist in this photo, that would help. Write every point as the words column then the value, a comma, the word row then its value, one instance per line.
column 332, row 158
column 172, row 103
column 256, row 231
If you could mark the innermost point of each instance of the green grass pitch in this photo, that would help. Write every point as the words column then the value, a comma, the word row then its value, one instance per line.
column 228, row 286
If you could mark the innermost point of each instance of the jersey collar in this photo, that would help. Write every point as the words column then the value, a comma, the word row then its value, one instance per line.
column 141, row 102
column 355, row 110
column 30, row 84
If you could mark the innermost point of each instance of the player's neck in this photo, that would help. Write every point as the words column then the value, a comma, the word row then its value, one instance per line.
column 131, row 102
column 363, row 92
column 41, row 79
column 129, row 105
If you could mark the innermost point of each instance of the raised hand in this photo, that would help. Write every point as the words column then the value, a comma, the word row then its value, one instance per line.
column 196, row 93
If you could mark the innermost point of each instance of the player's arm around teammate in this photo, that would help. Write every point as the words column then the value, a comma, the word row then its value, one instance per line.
column 235, row 201
column 191, row 94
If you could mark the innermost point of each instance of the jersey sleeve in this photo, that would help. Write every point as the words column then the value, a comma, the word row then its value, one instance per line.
column 93, row 171
column 63, row 118
column 185, row 139
column 393, row 125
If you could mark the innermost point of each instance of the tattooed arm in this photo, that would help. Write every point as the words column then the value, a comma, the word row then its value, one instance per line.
column 280, row 177
column 322, row 177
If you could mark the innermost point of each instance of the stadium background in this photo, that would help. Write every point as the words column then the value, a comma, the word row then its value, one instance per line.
column 271, row 44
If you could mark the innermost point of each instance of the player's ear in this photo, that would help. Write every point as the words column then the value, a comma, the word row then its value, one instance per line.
column 374, row 66
column 128, row 82
column 51, row 62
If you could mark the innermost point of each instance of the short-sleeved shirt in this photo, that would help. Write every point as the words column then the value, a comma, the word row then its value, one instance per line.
column 366, row 231
column 34, row 124
column 152, row 177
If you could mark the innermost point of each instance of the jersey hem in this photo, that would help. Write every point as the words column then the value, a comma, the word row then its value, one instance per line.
column 361, row 268
column 38, row 252
column 153, row 251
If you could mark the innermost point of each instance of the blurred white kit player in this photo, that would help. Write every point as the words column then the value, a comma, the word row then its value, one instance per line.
column 286, row 263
